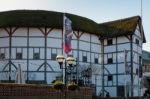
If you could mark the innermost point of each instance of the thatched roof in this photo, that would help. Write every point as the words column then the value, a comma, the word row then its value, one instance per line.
column 42, row 18
column 125, row 26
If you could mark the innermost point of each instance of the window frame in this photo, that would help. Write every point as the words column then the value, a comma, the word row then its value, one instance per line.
column 109, row 60
column 34, row 56
column 53, row 56
column 2, row 56
column 110, row 41
column 84, row 58
column 110, row 78
column 137, row 41
column 96, row 60
column 20, row 55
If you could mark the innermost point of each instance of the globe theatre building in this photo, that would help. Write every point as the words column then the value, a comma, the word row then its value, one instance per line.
column 33, row 39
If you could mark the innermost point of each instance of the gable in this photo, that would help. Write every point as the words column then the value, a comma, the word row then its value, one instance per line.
column 137, row 32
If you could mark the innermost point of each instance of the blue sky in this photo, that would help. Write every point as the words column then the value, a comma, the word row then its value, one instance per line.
column 97, row 10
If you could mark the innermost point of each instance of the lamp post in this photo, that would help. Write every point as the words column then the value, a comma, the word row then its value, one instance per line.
column 69, row 60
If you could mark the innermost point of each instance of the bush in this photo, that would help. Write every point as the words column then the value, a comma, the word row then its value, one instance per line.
column 53, row 81
column 58, row 85
column 72, row 86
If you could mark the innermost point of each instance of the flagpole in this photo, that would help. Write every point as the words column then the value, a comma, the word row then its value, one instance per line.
column 63, row 49
column 140, row 86
column 67, row 37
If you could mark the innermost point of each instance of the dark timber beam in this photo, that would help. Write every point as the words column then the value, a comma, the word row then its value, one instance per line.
column 45, row 32
column 10, row 32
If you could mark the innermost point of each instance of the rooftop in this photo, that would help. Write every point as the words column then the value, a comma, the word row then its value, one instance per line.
column 42, row 18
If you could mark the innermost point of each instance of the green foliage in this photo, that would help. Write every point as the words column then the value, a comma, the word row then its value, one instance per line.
column 53, row 81
column 58, row 85
column 72, row 86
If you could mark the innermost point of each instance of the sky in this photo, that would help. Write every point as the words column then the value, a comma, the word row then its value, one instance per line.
column 97, row 10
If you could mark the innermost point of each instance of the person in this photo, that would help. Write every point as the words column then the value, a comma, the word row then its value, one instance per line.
column 100, row 94
column 107, row 94
column 145, row 95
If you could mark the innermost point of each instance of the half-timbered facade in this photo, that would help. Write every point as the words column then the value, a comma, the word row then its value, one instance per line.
column 33, row 38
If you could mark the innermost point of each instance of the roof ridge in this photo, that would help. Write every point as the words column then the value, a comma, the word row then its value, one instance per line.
column 123, row 19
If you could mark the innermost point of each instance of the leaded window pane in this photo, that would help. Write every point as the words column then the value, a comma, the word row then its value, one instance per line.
column 36, row 56
column 18, row 55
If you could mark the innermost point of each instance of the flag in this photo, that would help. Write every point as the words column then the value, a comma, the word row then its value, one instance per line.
column 67, row 35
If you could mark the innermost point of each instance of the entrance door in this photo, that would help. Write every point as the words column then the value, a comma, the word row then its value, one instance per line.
column 120, row 91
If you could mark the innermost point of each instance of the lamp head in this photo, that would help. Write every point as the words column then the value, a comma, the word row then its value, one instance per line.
column 70, row 61
column 60, row 59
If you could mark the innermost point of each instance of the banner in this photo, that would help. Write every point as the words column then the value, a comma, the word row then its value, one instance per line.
column 67, row 35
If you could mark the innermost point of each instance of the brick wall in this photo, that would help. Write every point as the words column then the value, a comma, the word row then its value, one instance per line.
column 96, row 97
column 26, row 91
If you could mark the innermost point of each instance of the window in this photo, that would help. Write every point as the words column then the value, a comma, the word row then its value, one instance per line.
column 110, row 78
column 2, row 56
column 84, row 59
column 36, row 56
column 140, row 59
column 137, row 41
column 53, row 56
column 96, row 60
column 109, row 42
column 110, row 60
column 18, row 55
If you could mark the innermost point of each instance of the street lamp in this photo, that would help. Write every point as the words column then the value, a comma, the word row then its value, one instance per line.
column 69, row 60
